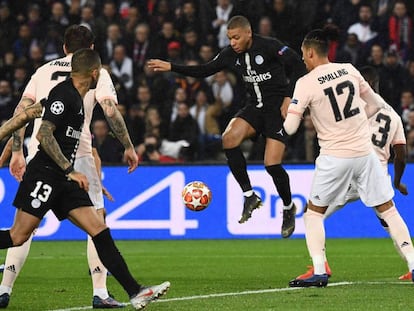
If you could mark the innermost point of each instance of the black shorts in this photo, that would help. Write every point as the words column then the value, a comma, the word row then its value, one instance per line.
column 267, row 121
column 43, row 189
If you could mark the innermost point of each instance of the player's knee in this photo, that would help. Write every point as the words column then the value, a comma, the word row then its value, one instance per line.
column 230, row 140
column 277, row 172
column 19, row 238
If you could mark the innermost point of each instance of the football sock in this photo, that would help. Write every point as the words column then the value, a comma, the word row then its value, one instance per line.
column 281, row 181
column 15, row 259
column 114, row 262
column 98, row 271
column 5, row 239
column 400, row 234
column 248, row 193
column 395, row 243
column 5, row 290
column 238, row 167
column 315, row 239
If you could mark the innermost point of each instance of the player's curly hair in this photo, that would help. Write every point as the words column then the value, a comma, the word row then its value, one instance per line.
column 78, row 37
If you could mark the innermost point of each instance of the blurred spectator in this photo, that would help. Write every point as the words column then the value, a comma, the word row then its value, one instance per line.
column 163, row 38
column 7, row 100
column 20, row 78
column 122, row 67
column 21, row 46
column 393, row 77
column 34, row 20
column 162, row 13
column 191, row 45
column 149, row 151
column 36, row 58
column 154, row 123
column 87, row 18
column 306, row 146
column 131, row 21
column 410, row 145
column 140, row 48
column 363, row 27
column 109, row 148
column 407, row 104
column 410, row 79
column 409, row 125
column 169, row 113
column 285, row 24
column 209, row 141
column 105, row 18
column 114, row 37
column 344, row 14
column 74, row 10
column 223, row 95
column 187, row 17
column 224, row 10
column 52, row 44
column 135, row 122
column 206, row 54
column 7, row 66
column 266, row 27
column 184, row 127
column 58, row 19
column 8, row 28
column 401, row 31
column 350, row 51
column 376, row 58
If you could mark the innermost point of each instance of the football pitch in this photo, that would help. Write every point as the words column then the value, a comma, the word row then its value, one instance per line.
column 221, row 275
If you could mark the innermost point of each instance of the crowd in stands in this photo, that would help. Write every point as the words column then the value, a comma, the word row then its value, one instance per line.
column 172, row 118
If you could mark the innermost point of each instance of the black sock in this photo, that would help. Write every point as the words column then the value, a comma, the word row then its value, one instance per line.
column 5, row 239
column 281, row 181
column 114, row 262
column 238, row 166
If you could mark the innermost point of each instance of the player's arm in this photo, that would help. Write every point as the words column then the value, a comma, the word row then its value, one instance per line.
column 6, row 153
column 118, row 126
column 98, row 166
column 53, row 150
column 296, row 109
column 18, row 134
column 204, row 70
column 399, row 167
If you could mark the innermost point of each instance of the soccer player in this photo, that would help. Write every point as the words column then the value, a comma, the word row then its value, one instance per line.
column 269, row 70
column 336, row 95
column 387, row 130
column 52, row 183
column 39, row 86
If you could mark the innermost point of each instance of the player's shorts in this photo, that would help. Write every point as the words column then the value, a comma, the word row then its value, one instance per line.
column 86, row 165
column 43, row 189
column 333, row 176
column 266, row 120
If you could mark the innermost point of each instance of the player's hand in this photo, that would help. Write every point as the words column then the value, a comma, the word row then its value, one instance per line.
column 402, row 188
column 159, row 65
column 17, row 165
column 131, row 158
column 108, row 195
column 80, row 179
column 285, row 106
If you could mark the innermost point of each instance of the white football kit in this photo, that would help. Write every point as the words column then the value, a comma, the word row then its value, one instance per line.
column 39, row 86
column 336, row 95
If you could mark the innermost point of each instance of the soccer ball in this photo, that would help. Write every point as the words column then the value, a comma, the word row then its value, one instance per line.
column 196, row 196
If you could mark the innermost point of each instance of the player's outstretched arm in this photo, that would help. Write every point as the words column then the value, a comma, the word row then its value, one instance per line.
column 118, row 126
column 159, row 65
column 53, row 150
column 6, row 153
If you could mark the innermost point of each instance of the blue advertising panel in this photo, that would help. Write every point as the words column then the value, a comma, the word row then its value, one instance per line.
column 148, row 206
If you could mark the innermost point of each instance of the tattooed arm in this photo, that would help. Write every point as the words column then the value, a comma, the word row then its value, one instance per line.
column 117, row 124
column 53, row 150
column 18, row 135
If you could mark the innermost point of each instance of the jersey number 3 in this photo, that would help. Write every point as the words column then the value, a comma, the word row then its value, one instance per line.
column 347, row 112
column 383, row 130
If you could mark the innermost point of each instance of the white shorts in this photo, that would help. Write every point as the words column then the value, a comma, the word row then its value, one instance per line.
column 333, row 177
column 86, row 165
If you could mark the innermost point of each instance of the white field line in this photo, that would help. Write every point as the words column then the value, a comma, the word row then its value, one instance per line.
column 249, row 292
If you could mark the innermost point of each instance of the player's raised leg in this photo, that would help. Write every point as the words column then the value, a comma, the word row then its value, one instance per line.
column 237, row 130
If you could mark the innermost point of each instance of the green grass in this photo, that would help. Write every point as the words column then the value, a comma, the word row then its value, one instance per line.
column 55, row 275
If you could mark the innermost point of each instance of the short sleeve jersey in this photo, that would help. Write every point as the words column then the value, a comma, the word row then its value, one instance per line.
column 387, row 130
column 333, row 94
column 63, row 108
column 47, row 77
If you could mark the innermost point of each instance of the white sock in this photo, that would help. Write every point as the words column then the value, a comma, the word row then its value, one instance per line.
column 98, row 271
column 248, row 193
column 288, row 206
column 315, row 239
column 400, row 234
column 397, row 247
column 15, row 259
column 5, row 290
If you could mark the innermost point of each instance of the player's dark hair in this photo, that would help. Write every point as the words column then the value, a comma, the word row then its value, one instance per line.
column 238, row 21
column 371, row 75
column 318, row 39
column 85, row 60
column 77, row 37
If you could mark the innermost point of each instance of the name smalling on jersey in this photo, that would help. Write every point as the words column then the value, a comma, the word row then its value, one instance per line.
column 332, row 76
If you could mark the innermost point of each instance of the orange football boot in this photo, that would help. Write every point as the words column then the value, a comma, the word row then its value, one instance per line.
column 310, row 272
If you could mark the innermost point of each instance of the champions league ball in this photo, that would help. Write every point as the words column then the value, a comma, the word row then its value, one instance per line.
column 196, row 196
